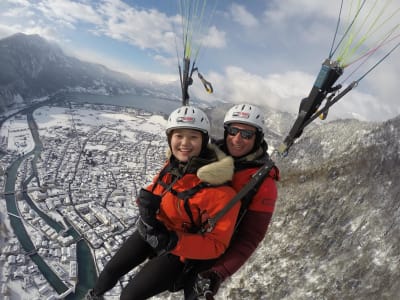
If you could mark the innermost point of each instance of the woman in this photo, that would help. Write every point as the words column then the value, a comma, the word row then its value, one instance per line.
column 174, row 209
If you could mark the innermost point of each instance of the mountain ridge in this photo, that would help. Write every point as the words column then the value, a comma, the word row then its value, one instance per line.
column 334, row 234
column 32, row 67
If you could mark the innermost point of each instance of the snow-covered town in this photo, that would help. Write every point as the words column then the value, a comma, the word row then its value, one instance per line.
column 75, row 183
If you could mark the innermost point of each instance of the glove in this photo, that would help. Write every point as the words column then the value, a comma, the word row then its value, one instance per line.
column 207, row 284
column 149, row 204
column 159, row 238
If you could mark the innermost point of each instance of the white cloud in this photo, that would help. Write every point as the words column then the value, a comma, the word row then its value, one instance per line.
column 236, row 85
column 20, row 2
column 6, row 30
column 48, row 32
column 269, row 64
column 284, row 92
column 69, row 11
column 17, row 12
column 357, row 103
column 283, row 10
column 89, row 55
column 242, row 16
column 214, row 38
column 146, row 29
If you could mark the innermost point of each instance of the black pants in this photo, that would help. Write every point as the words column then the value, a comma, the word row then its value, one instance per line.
column 156, row 276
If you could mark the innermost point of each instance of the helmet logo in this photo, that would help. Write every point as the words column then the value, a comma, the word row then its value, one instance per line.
column 241, row 114
column 190, row 120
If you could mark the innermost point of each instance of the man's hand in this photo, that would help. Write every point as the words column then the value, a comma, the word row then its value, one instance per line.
column 149, row 204
column 159, row 237
column 207, row 284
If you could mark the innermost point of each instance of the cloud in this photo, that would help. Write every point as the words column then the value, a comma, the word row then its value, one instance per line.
column 146, row 29
column 279, row 11
column 242, row 16
column 214, row 38
column 266, row 52
column 236, row 85
column 383, row 81
column 69, row 11
column 285, row 90
column 6, row 30
column 362, row 105
column 18, row 12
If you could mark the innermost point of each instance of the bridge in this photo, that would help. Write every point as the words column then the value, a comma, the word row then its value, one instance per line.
column 8, row 193
column 14, row 215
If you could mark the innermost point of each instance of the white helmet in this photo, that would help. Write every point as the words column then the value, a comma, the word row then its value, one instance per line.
column 189, row 117
column 245, row 114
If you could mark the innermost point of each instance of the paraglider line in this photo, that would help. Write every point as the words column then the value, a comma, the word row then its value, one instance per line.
column 349, row 27
column 379, row 61
column 336, row 30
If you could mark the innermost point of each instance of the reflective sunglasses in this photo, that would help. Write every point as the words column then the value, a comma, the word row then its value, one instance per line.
column 244, row 133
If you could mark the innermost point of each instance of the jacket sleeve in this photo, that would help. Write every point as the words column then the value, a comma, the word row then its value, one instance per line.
column 251, row 232
column 209, row 245
column 265, row 198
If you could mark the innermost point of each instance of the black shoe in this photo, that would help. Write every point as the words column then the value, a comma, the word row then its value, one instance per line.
column 91, row 296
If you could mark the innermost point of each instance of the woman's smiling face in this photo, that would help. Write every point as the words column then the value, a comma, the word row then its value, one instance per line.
column 186, row 143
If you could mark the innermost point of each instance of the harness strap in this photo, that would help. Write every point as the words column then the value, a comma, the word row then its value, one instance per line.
column 247, row 199
column 185, row 196
column 161, row 175
column 255, row 179
column 167, row 186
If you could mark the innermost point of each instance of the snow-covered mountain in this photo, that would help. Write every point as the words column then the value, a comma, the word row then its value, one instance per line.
column 32, row 67
column 335, row 233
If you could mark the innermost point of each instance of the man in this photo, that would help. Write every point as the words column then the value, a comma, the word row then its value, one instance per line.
column 244, row 141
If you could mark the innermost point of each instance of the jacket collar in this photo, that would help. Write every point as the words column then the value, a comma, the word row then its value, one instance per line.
column 217, row 168
column 253, row 159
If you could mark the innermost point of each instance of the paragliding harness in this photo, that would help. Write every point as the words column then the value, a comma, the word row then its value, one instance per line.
column 193, row 227
column 252, row 189
column 245, row 195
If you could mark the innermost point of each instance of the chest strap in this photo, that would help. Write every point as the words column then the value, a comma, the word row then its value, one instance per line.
column 257, row 177
column 195, row 227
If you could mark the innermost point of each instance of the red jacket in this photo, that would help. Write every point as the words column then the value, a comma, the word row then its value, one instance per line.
column 205, row 203
column 265, row 198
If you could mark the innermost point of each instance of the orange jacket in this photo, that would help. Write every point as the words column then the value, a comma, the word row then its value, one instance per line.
column 204, row 204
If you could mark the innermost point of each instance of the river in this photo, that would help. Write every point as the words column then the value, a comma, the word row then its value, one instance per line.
column 17, row 223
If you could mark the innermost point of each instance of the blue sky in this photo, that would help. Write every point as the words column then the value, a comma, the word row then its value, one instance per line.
column 256, row 51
